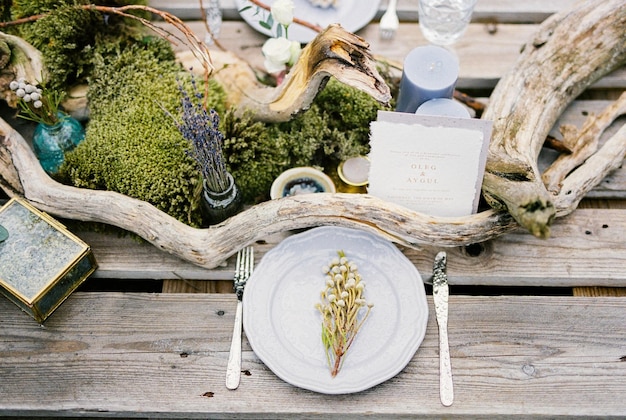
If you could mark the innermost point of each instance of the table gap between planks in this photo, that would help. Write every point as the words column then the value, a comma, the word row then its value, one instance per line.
column 528, row 354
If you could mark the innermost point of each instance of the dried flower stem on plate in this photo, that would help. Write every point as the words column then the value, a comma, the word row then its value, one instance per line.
column 342, row 303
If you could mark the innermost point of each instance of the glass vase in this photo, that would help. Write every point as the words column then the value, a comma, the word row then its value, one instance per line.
column 218, row 206
column 51, row 142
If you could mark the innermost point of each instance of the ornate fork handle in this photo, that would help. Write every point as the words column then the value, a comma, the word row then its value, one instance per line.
column 243, row 270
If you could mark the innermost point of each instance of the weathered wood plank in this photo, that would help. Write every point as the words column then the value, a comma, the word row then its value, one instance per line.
column 485, row 52
column 164, row 355
column 585, row 249
column 485, row 10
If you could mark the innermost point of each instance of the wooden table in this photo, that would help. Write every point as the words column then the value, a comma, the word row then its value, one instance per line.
column 526, row 337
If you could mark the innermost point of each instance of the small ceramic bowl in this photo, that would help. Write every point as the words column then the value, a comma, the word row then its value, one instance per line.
column 301, row 180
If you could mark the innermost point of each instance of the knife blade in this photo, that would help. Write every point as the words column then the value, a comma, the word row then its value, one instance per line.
column 440, row 297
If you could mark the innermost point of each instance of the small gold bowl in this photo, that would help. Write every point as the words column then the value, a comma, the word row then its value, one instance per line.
column 355, row 171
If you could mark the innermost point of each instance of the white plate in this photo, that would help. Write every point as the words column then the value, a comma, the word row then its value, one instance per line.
column 284, row 328
column 351, row 14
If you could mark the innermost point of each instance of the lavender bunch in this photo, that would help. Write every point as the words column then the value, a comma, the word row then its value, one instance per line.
column 201, row 128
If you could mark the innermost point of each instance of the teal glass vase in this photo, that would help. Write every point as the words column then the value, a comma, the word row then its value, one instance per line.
column 51, row 142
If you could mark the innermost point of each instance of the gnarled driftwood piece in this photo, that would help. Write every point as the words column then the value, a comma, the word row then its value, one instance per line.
column 209, row 247
column 583, row 143
column 570, row 51
column 333, row 52
column 18, row 59
column 21, row 174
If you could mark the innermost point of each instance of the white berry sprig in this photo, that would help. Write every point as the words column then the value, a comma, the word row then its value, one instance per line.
column 37, row 104
column 343, row 308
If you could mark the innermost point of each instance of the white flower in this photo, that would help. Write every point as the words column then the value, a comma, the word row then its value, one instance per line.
column 332, row 298
column 341, row 303
column 14, row 85
column 37, row 104
column 344, row 294
column 350, row 284
column 277, row 52
column 282, row 11
column 20, row 92
column 296, row 49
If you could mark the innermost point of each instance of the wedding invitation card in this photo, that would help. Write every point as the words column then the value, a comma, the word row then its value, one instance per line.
column 431, row 164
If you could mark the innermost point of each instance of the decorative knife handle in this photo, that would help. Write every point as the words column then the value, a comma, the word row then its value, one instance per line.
column 440, row 297
column 233, row 370
column 446, row 389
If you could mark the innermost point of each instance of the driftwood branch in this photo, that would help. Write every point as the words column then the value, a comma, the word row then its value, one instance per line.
column 19, row 59
column 21, row 174
column 333, row 52
column 583, row 143
column 570, row 51
column 211, row 246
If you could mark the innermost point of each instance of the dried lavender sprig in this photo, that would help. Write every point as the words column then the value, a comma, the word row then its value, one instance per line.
column 201, row 128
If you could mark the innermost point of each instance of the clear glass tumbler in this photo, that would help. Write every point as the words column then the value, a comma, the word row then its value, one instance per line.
column 444, row 21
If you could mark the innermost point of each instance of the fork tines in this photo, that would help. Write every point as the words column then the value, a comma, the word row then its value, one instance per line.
column 243, row 269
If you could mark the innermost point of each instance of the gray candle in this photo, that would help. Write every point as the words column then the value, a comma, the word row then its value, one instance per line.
column 429, row 72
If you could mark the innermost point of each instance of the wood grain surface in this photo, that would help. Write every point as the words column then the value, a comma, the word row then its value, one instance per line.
column 164, row 355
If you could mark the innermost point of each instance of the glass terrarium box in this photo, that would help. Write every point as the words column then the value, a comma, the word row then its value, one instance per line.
column 41, row 262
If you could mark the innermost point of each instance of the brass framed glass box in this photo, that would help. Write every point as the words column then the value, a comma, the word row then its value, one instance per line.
column 41, row 262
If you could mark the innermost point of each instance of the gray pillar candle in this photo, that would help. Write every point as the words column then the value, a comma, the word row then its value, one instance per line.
column 429, row 72
column 4, row 234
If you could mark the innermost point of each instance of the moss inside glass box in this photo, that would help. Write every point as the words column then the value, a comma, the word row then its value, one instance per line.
column 41, row 262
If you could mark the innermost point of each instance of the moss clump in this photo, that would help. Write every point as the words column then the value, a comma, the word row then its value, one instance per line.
column 131, row 145
column 334, row 128
column 67, row 35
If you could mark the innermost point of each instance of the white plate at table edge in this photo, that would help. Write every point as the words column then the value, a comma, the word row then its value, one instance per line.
column 284, row 328
column 351, row 14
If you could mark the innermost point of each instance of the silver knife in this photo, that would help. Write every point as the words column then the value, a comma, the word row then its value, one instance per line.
column 440, row 297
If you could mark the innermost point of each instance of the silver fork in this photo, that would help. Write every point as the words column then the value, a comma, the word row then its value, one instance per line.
column 389, row 21
column 243, row 269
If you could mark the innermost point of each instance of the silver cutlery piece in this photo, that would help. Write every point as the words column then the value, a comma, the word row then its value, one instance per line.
column 440, row 297
column 213, row 15
column 389, row 21
column 243, row 269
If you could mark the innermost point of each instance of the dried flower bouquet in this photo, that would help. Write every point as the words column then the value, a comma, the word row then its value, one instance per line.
column 342, row 305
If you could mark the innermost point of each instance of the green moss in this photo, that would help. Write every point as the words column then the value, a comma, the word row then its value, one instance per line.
column 336, row 127
column 68, row 36
column 131, row 145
